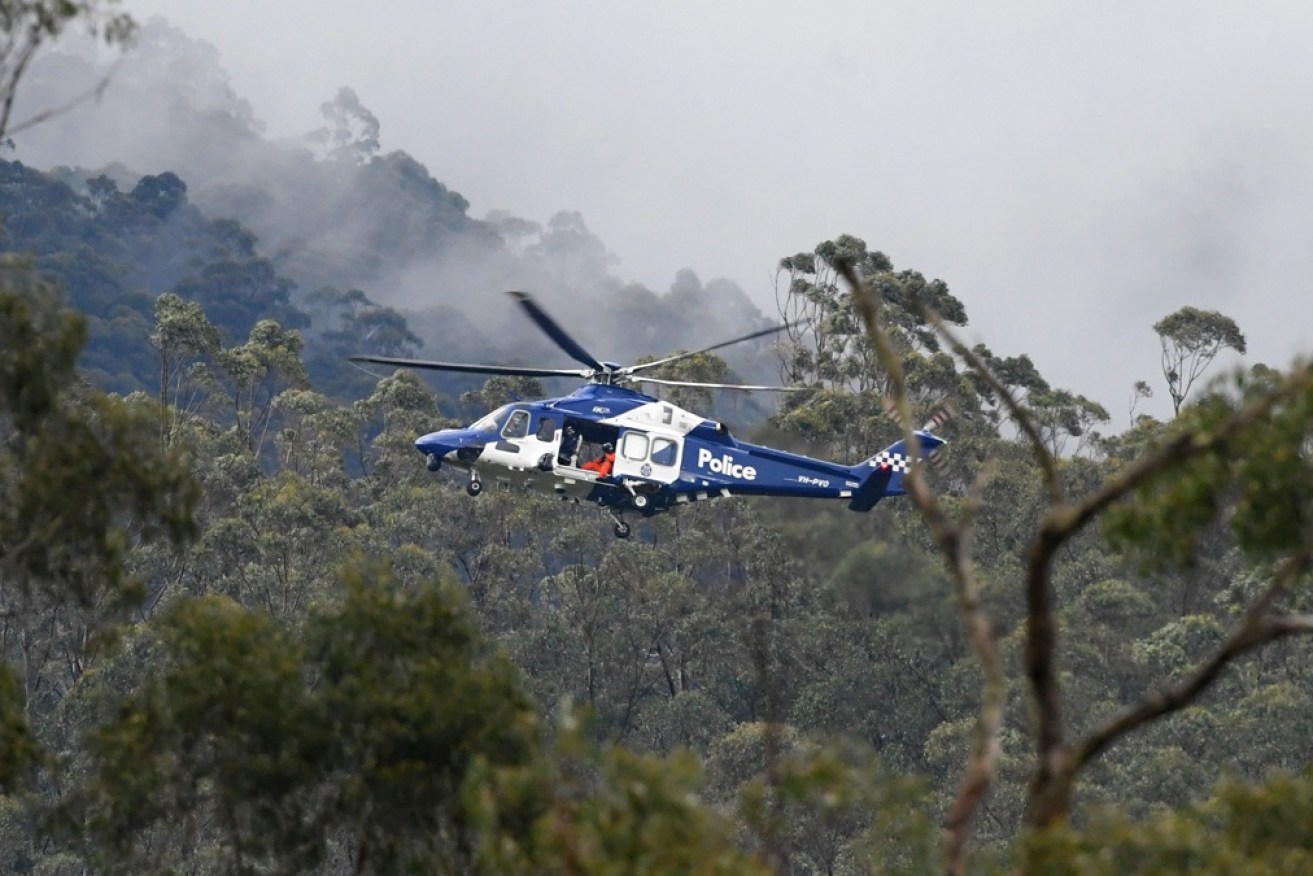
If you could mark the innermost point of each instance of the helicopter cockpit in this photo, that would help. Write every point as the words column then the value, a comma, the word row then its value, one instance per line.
column 490, row 421
column 528, row 437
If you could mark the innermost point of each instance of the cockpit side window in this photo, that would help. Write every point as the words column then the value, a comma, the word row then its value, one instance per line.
column 488, row 422
column 517, row 426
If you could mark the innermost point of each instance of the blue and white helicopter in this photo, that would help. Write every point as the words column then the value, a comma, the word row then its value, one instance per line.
column 662, row 456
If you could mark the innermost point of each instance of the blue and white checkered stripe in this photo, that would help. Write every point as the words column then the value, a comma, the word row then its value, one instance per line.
column 893, row 461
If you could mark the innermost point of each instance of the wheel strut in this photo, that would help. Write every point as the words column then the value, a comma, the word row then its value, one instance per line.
column 622, row 528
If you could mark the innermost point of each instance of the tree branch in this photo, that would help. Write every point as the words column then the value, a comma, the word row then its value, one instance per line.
column 1063, row 521
column 954, row 540
column 1020, row 416
column 1185, row 446
column 93, row 93
column 1257, row 628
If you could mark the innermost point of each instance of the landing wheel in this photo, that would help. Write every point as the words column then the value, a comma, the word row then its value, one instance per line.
column 622, row 529
column 474, row 487
column 640, row 501
column 433, row 462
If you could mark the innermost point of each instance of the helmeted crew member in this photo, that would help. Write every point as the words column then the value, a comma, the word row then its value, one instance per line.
column 602, row 465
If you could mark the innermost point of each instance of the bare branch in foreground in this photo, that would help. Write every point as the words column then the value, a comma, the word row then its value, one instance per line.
column 1055, row 770
column 1048, row 464
column 954, row 540
column 94, row 93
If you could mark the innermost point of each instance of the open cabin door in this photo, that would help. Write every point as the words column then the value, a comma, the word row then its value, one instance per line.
column 648, row 457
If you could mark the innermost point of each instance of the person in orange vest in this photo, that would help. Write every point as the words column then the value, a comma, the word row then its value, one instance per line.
column 602, row 465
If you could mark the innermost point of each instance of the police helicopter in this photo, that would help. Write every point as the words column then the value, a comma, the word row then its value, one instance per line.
column 611, row 445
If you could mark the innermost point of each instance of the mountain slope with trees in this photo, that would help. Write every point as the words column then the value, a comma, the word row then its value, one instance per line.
column 243, row 629
column 792, row 649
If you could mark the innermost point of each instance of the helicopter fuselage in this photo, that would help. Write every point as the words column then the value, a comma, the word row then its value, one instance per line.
column 664, row 456
column 626, row 451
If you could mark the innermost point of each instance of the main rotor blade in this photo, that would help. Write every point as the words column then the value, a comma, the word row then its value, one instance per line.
column 742, row 386
column 507, row 370
column 630, row 369
column 555, row 332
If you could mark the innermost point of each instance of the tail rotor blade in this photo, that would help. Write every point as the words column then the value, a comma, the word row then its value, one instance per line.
column 942, row 415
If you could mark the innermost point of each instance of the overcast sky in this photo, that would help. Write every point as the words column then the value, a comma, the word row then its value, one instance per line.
column 1073, row 171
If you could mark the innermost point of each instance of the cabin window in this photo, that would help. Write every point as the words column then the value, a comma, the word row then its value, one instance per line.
column 517, row 426
column 634, row 446
column 664, row 451
column 546, row 429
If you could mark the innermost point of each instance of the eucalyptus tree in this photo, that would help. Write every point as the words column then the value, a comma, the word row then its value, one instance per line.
column 84, row 481
column 829, row 346
column 350, row 131
column 846, row 410
column 1234, row 462
column 1191, row 338
column 703, row 368
column 260, row 751
column 257, row 371
column 185, row 338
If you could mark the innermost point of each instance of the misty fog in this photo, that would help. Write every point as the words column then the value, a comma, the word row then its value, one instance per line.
column 1074, row 175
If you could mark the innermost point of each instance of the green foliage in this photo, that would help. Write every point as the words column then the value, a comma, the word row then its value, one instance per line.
column 222, row 725
column 412, row 698
column 1241, row 829
column 600, row 809
column 829, row 344
column 1176, row 647
column 365, row 727
column 812, row 807
column 263, row 714
column 84, row 485
column 497, row 391
column 1061, row 415
column 82, row 474
column 115, row 252
column 1257, row 472
column 20, row 753
column 702, row 368
column 257, row 371
column 346, row 324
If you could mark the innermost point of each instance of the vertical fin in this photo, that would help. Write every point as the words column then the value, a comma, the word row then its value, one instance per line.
column 882, row 475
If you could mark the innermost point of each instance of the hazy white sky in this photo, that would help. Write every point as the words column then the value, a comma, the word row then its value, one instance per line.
column 1073, row 171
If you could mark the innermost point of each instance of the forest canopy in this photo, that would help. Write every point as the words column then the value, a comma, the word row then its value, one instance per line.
column 244, row 630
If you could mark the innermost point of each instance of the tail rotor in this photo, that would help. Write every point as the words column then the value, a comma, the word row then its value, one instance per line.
column 938, row 418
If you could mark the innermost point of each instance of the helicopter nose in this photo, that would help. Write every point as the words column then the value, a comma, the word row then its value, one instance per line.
column 433, row 446
column 438, row 445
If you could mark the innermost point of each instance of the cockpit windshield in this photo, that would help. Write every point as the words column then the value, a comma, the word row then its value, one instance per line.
column 488, row 423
